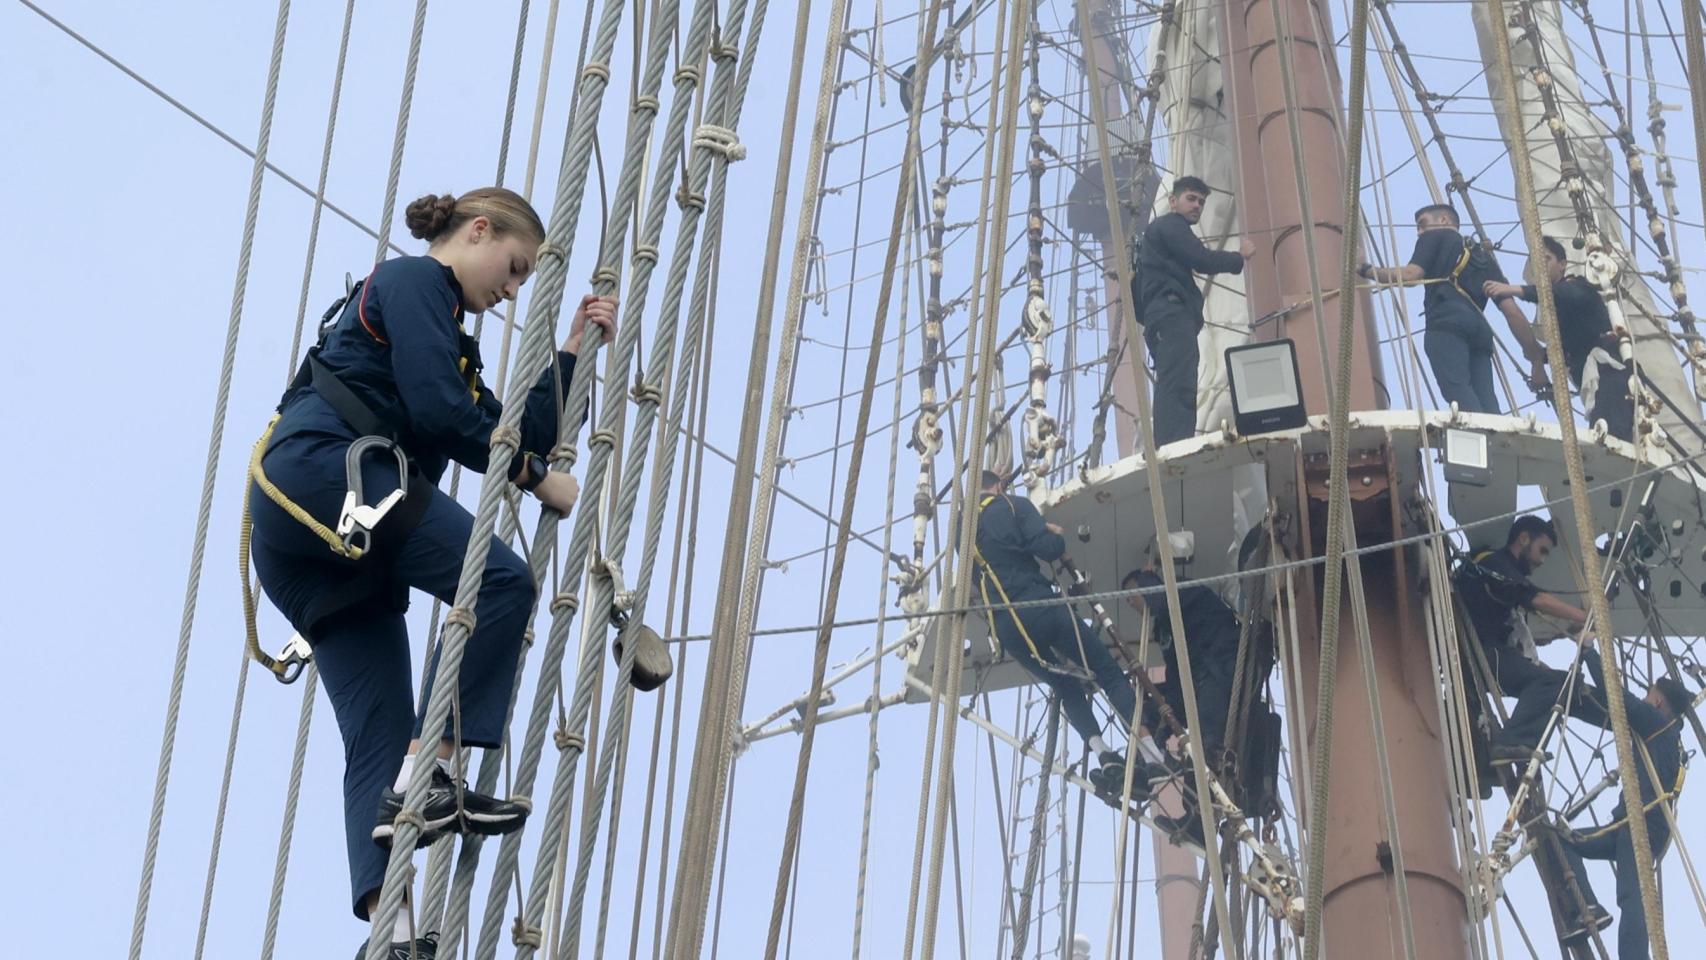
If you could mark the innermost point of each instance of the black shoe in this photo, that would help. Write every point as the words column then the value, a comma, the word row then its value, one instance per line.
column 1515, row 753
column 424, row 948
column 1579, row 931
column 438, row 812
column 1112, row 775
column 1184, row 830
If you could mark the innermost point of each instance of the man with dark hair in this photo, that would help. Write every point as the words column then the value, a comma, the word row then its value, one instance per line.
column 1584, row 326
column 1047, row 640
column 1170, row 304
column 1495, row 590
column 1458, row 339
column 1656, row 721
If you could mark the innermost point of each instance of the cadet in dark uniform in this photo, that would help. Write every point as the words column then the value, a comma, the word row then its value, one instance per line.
column 1048, row 641
column 1584, row 326
column 396, row 363
column 1170, row 304
column 1458, row 340
column 1495, row 590
column 1656, row 720
column 1211, row 630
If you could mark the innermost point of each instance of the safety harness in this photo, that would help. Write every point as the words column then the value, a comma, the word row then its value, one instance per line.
column 986, row 577
column 1667, row 797
column 363, row 530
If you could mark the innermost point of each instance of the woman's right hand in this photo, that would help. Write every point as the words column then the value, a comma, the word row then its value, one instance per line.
column 558, row 491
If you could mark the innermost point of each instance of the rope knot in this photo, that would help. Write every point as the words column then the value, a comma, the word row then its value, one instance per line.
column 550, row 250
column 565, row 740
column 604, row 438
column 721, row 140
column 565, row 603
column 522, row 800
column 460, row 617
column 596, row 69
column 564, row 453
column 506, row 436
column 523, row 935
column 725, row 52
column 646, row 252
column 527, row 638
column 644, row 392
column 406, row 816
column 685, row 198
column 646, row 103
column 606, row 275
column 689, row 74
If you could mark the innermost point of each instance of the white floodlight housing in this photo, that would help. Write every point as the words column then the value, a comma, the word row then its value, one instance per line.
column 1267, row 394
column 1466, row 457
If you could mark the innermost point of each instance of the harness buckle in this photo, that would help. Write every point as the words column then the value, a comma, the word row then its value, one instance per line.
column 357, row 520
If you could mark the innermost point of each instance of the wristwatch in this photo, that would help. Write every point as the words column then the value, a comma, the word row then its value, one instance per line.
column 533, row 469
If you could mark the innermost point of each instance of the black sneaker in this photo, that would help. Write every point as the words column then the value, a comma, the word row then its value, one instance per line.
column 424, row 948
column 438, row 812
column 1579, row 930
column 1184, row 830
column 489, row 816
column 1112, row 775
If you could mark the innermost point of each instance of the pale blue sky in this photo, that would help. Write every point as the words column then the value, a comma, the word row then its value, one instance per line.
column 125, row 221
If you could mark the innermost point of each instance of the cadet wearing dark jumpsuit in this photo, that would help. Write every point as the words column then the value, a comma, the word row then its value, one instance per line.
column 1170, row 304
column 397, row 346
column 1011, row 538
column 1661, row 730
column 1211, row 629
column 1494, row 587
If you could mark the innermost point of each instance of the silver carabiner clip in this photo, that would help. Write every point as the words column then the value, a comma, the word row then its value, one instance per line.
column 357, row 520
column 289, row 663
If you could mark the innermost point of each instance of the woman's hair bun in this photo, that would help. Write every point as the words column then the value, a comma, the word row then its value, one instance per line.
column 428, row 217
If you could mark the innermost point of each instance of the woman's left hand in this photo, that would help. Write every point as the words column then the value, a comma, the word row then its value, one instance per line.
column 594, row 309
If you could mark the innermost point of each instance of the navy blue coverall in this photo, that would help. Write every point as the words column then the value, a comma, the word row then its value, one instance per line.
column 1211, row 625
column 1458, row 340
column 398, row 347
column 1494, row 587
column 1663, row 738
column 1011, row 538
column 1583, row 324
column 1165, row 292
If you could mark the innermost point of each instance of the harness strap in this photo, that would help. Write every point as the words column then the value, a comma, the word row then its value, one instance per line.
column 983, row 586
column 1457, row 271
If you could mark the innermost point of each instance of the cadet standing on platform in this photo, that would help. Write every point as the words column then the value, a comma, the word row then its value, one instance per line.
column 1169, row 303
column 1458, row 340
column 1584, row 326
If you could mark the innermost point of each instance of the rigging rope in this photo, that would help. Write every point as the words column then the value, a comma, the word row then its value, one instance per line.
column 1187, row 683
column 972, row 445
column 1579, row 503
column 1338, row 487
column 198, row 549
column 724, row 682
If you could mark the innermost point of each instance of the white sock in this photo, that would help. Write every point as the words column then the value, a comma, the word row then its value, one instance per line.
column 401, row 785
column 403, row 931
column 1097, row 746
column 1146, row 746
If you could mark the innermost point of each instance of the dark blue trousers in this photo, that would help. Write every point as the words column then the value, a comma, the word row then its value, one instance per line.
column 1061, row 639
column 1617, row 847
column 362, row 652
column 1462, row 360
column 1170, row 331
column 1536, row 689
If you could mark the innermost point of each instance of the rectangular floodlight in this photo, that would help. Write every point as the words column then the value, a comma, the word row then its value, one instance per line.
column 1266, row 393
column 1466, row 459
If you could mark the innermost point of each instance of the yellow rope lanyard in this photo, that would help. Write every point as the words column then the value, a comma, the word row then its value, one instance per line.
column 988, row 576
column 1663, row 798
column 246, row 533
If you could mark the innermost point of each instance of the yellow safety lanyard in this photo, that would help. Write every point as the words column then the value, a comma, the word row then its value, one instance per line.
column 1665, row 798
column 988, row 576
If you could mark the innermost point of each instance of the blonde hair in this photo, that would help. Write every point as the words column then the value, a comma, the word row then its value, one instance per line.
column 434, row 217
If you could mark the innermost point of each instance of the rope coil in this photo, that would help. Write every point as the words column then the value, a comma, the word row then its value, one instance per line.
column 719, row 140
